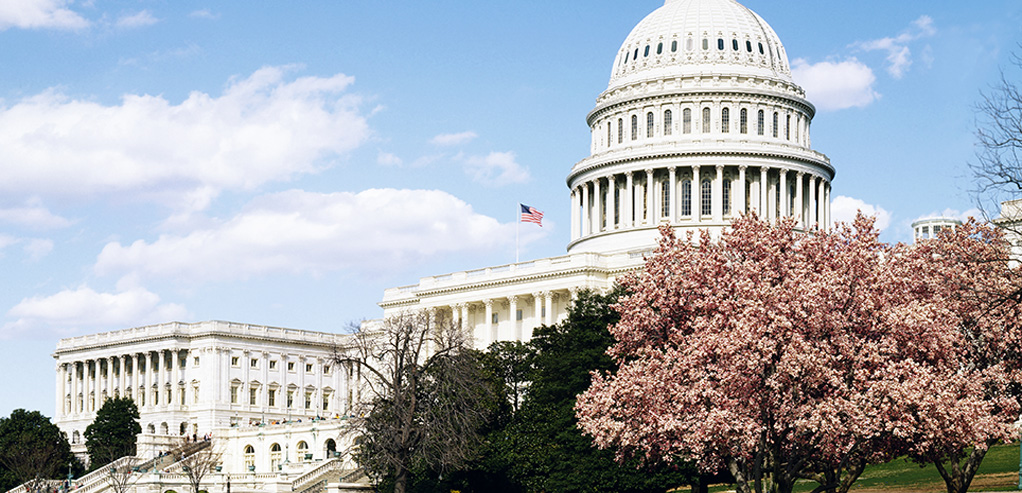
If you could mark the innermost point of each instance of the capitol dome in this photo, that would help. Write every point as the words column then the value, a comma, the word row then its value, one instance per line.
column 686, row 37
column 701, row 122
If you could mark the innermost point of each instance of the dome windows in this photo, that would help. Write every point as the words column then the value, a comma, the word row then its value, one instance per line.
column 635, row 56
column 620, row 131
column 734, row 44
column 689, row 44
column 725, row 120
column 667, row 122
column 706, row 120
column 760, row 123
column 743, row 121
column 686, row 121
column 659, row 49
column 761, row 49
column 748, row 46
column 635, row 127
column 720, row 44
column 645, row 53
column 706, row 44
column 674, row 46
column 775, row 124
column 649, row 125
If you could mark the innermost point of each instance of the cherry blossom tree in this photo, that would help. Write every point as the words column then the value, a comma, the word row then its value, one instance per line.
column 783, row 356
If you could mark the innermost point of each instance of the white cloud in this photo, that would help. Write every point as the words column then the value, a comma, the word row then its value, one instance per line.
column 203, row 14
column 843, row 209
column 139, row 19
column 302, row 232
column 899, row 56
column 388, row 159
column 836, row 85
column 33, row 215
column 447, row 140
column 39, row 14
column 262, row 128
column 84, row 308
column 37, row 248
column 496, row 169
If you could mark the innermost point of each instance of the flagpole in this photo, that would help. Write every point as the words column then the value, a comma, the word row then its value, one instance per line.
column 518, row 224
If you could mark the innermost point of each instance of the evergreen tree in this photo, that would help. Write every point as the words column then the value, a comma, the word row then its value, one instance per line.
column 33, row 449
column 113, row 433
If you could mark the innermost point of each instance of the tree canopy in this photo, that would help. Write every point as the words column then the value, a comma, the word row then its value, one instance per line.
column 782, row 356
column 33, row 448
column 114, row 431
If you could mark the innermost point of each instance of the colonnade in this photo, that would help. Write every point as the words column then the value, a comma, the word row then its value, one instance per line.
column 695, row 195
column 497, row 318
column 83, row 385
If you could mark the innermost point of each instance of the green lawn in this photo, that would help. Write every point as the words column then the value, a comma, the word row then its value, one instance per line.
column 999, row 472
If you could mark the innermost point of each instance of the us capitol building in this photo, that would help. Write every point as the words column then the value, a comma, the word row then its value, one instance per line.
column 701, row 122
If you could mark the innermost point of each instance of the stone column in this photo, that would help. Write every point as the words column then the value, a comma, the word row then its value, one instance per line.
column 135, row 378
column 799, row 206
column 741, row 190
column 548, row 301
column 783, row 211
column 122, row 378
column 110, row 376
column 464, row 316
column 490, row 327
column 59, row 387
column 611, row 203
column 764, row 207
column 672, row 194
column 586, row 225
column 697, row 196
column 628, row 203
column 822, row 203
column 512, row 302
column 537, row 309
column 597, row 207
column 718, row 195
column 649, row 199
column 812, row 202
column 574, row 218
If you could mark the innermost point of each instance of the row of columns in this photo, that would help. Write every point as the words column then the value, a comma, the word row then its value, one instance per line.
column 246, row 377
column 543, row 312
column 81, row 384
column 590, row 214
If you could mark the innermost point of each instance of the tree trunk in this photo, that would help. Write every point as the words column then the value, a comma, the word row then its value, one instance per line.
column 401, row 480
column 960, row 475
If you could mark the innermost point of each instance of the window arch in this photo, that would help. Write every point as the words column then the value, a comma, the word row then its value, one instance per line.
column 635, row 127
column 726, row 196
column 748, row 46
column 706, row 44
column 674, row 46
column 775, row 124
column 667, row 122
column 734, row 44
column 743, row 121
column 250, row 457
column 608, row 134
column 620, row 130
column 686, row 197
column 303, row 451
column 787, row 127
column 275, row 456
column 686, row 121
column 649, row 125
column 760, row 123
column 706, row 120
column 725, row 120
column 645, row 53
column 706, row 198
column 659, row 48
column 720, row 44
column 665, row 199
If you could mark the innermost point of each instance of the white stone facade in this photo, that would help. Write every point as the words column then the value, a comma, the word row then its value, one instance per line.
column 930, row 227
column 195, row 378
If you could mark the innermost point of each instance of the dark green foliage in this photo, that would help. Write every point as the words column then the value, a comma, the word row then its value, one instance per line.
column 113, row 433
column 33, row 448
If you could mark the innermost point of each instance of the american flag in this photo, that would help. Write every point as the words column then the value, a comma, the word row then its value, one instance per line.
column 531, row 215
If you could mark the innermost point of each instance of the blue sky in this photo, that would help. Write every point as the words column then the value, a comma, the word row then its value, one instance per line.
column 279, row 165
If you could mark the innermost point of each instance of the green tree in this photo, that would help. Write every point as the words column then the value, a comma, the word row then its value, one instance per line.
column 32, row 449
column 113, row 433
column 543, row 447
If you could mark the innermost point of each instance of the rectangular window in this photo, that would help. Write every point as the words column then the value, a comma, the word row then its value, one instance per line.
column 195, row 362
column 195, row 394
column 290, row 398
column 291, row 366
column 308, row 368
column 234, row 361
column 495, row 318
column 726, row 192
column 234, row 394
column 254, row 363
column 707, row 199
column 326, row 369
column 308, row 400
column 252, row 396
column 686, row 120
column 326, row 402
column 518, row 315
column 706, row 120
column 743, row 122
column 271, row 398
column 273, row 364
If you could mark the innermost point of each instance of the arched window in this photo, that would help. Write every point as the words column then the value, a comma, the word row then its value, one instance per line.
column 706, row 44
column 787, row 127
column 720, row 44
column 608, row 134
column 743, row 121
column 686, row 121
column 726, row 196
column 617, row 204
column 775, row 124
column 748, row 46
column 635, row 127
column 706, row 120
column 331, row 448
column 645, row 53
column 620, row 130
column 707, row 198
column 649, row 125
column 734, row 44
column 275, row 456
column 303, row 452
column 250, row 457
column 761, row 49
column 725, row 120
column 686, row 197
column 667, row 122
column 164, row 429
column 659, row 48
column 674, row 46
column 151, row 429
column 760, row 123
column 636, row 55
column 665, row 199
